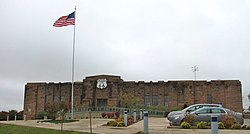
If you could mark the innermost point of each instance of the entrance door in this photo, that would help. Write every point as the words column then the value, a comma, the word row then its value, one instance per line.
column 102, row 102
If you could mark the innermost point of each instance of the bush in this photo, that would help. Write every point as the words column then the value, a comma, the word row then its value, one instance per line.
column 236, row 126
column 112, row 123
column 228, row 121
column 221, row 125
column 130, row 121
column 201, row 125
column 110, row 114
column 185, row 125
column 117, row 114
column 41, row 115
column 103, row 115
column 247, row 127
column 189, row 119
column 140, row 132
column 120, row 124
column 119, row 119
column 243, row 127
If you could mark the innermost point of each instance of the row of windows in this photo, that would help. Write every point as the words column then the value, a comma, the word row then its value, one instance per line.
column 154, row 101
column 57, row 98
column 148, row 100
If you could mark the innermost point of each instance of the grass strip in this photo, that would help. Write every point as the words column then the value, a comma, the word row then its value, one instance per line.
column 15, row 129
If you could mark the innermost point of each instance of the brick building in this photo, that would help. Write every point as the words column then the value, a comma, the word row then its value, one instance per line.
column 104, row 90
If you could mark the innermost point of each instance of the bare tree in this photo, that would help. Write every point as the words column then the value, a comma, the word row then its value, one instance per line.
column 52, row 109
column 129, row 100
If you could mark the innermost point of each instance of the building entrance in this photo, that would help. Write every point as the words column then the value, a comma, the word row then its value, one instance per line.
column 102, row 102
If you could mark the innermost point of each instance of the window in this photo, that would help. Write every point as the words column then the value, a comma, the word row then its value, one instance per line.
column 81, row 98
column 62, row 98
column 56, row 98
column 166, row 99
column 147, row 100
column 209, row 99
column 191, row 109
column 218, row 111
column 155, row 100
column 102, row 102
column 46, row 99
column 204, row 111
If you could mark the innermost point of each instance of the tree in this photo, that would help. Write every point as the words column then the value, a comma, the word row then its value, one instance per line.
column 52, row 109
column 129, row 100
column 20, row 115
column 12, row 114
column 3, row 115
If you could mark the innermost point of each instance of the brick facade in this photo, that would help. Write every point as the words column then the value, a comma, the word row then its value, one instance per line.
column 171, row 94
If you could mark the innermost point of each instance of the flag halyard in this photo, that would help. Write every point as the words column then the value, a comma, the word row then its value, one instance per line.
column 65, row 20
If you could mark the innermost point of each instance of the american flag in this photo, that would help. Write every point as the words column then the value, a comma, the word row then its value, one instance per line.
column 65, row 20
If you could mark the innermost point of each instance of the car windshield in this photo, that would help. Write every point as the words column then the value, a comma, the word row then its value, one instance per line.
column 192, row 108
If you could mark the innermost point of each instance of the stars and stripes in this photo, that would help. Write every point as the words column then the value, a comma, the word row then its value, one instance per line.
column 65, row 20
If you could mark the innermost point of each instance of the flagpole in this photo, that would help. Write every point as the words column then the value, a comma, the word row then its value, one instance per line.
column 73, row 70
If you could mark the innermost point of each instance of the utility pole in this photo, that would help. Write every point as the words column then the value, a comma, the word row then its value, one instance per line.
column 195, row 69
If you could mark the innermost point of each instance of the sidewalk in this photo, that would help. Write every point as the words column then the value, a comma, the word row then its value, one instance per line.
column 156, row 126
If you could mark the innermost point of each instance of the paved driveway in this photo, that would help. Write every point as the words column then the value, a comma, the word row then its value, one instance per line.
column 156, row 126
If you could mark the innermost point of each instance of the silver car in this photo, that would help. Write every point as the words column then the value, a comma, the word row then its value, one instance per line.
column 205, row 113
column 190, row 109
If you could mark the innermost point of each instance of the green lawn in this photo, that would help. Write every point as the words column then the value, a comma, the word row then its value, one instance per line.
column 15, row 129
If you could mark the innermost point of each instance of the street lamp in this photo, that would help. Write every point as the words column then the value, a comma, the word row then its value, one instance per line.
column 195, row 69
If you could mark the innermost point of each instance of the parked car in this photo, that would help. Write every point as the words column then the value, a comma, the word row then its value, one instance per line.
column 190, row 109
column 205, row 113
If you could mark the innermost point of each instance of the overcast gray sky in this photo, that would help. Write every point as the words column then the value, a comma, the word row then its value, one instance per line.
column 135, row 39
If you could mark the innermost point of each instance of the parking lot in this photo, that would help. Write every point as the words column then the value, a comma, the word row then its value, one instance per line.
column 156, row 126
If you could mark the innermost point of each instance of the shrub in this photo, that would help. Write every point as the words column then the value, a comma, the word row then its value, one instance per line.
column 130, row 121
column 209, row 124
column 201, row 125
column 221, row 125
column 185, row 125
column 130, row 118
column 115, row 124
column 120, row 124
column 138, row 117
column 243, row 127
column 110, row 114
column 236, row 126
column 112, row 123
column 247, row 127
column 140, row 132
column 228, row 121
column 117, row 114
column 103, row 115
column 119, row 119
column 41, row 115
column 189, row 119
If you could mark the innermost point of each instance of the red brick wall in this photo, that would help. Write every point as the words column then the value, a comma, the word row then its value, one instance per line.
column 227, row 92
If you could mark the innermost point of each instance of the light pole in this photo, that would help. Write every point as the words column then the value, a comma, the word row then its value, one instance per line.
column 195, row 69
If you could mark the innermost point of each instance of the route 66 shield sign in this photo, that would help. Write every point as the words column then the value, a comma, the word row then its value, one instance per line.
column 101, row 83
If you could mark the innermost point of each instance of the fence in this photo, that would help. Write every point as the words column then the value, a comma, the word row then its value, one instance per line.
column 82, row 112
